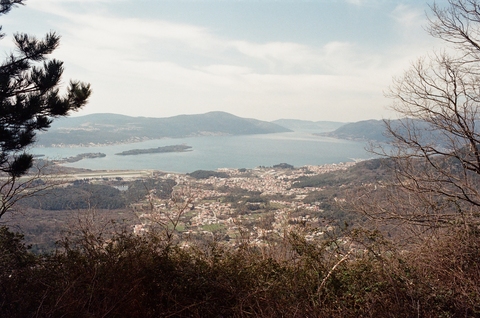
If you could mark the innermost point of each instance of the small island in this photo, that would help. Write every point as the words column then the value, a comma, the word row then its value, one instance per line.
column 173, row 148
column 81, row 156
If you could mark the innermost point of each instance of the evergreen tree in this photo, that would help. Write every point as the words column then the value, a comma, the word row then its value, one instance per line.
column 30, row 97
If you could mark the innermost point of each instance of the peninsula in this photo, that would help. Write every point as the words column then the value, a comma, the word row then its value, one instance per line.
column 90, row 155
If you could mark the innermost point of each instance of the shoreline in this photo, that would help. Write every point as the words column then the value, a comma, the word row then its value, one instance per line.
column 129, row 173
column 93, row 145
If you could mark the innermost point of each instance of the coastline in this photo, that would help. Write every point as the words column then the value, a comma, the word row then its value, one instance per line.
column 211, row 153
column 81, row 174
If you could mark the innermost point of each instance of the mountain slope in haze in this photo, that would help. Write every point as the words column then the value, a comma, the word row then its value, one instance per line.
column 376, row 130
column 114, row 128
column 361, row 130
column 308, row 126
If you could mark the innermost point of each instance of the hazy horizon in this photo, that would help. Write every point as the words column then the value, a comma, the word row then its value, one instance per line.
column 316, row 60
column 212, row 111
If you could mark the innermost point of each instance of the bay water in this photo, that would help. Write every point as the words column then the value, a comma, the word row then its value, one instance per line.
column 214, row 152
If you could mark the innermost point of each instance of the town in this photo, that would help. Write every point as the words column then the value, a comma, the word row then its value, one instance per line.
column 259, row 204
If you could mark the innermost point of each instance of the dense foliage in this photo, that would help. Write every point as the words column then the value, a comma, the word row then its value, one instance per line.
column 84, row 195
column 363, row 172
column 146, row 276
column 205, row 174
column 74, row 197
column 138, row 189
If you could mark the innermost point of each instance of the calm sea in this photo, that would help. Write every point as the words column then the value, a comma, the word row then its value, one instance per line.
column 210, row 153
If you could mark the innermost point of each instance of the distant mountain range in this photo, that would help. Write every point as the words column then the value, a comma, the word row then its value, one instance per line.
column 101, row 129
column 114, row 128
column 309, row 126
column 375, row 130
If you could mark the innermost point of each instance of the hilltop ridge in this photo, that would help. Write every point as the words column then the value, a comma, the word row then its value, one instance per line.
column 108, row 128
column 114, row 128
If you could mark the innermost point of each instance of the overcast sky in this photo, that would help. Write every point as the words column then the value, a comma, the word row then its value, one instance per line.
column 263, row 59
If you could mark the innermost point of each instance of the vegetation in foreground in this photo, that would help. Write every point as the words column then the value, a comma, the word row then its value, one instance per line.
column 151, row 276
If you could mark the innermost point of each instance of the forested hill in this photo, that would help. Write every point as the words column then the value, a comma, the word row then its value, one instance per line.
column 361, row 130
column 114, row 128
column 375, row 130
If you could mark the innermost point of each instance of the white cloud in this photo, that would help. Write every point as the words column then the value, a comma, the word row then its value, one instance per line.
column 161, row 68
column 279, row 51
column 226, row 70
